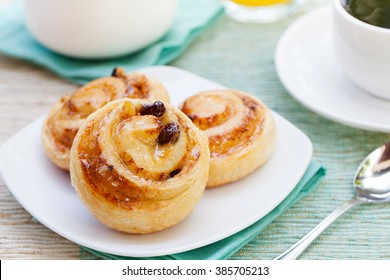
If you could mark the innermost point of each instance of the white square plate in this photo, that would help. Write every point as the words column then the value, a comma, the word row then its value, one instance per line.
column 45, row 191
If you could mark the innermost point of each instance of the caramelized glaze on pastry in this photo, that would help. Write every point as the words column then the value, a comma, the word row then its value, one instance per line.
column 240, row 129
column 140, row 166
column 66, row 117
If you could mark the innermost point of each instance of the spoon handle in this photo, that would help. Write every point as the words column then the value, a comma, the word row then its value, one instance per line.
column 297, row 249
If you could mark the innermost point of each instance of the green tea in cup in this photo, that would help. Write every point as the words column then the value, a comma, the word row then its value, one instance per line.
column 361, row 43
column 374, row 12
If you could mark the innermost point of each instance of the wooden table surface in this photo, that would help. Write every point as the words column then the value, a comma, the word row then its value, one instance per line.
column 26, row 92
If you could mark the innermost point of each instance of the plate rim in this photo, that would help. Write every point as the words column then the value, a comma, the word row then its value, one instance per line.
column 297, row 25
column 183, row 248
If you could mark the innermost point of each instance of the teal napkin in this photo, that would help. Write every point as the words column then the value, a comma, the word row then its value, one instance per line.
column 223, row 249
column 193, row 17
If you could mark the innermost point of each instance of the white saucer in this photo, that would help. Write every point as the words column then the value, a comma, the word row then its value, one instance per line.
column 308, row 69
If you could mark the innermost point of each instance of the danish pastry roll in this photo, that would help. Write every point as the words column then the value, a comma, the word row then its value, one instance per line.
column 68, row 114
column 240, row 129
column 140, row 166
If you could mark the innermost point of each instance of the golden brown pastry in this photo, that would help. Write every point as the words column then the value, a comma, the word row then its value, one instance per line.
column 240, row 129
column 140, row 166
column 66, row 117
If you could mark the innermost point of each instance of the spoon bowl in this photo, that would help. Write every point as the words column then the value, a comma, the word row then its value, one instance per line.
column 372, row 185
column 372, row 179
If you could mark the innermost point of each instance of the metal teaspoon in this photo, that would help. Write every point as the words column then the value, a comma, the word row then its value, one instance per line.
column 372, row 185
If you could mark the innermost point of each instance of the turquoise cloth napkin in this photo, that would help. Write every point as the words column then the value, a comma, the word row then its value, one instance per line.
column 223, row 249
column 192, row 18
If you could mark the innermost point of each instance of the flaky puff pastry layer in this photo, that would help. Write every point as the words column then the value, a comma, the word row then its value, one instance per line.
column 139, row 170
column 240, row 129
column 70, row 112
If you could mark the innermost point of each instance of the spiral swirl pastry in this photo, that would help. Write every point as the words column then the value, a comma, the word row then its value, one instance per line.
column 240, row 129
column 67, row 115
column 139, row 166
